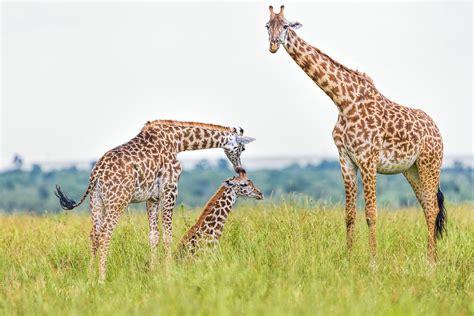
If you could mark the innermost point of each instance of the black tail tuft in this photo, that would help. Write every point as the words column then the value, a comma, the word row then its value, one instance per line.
column 442, row 216
column 66, row 203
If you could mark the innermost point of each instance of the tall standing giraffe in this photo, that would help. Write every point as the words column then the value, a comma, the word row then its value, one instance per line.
column 372, row 134
column 210, row 224
column 146, row 168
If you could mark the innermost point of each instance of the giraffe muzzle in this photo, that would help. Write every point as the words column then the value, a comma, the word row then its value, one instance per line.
column 274, row 47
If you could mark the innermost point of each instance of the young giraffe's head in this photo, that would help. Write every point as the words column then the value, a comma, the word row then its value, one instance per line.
column 278, row 28
column 243, row 186
column 235, row 146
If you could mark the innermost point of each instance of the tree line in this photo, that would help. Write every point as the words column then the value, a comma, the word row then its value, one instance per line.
column 33, row 190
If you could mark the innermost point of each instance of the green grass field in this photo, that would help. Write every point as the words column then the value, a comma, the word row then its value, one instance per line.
column 274, row 260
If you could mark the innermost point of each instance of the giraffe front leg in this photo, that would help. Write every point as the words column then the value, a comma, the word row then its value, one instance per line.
column 170, row 193
column 349, row 176
column 152, row 209
column 369, row 181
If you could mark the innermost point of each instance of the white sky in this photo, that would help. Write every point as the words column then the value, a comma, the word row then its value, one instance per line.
column 81, row 78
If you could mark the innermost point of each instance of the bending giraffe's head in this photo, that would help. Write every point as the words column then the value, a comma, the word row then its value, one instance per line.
column 235, row 146
column 278, row 28
column 242, row 186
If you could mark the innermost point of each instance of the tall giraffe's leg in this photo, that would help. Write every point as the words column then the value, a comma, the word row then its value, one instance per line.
column 170, row 193
column 152, row 209
column 369, row 180
column 349, row 176
column 429, row 172
column 413, row 178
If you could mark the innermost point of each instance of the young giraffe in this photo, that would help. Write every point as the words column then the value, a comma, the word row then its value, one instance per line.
column 146, row 169
column 210, row 224
column 372, row 134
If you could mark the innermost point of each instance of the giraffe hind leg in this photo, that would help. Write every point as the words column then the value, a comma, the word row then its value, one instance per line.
column 429, row 173
column 97, row 215
column 107, row 228
column 113, row 211
column 428, row 194
column 413, row 178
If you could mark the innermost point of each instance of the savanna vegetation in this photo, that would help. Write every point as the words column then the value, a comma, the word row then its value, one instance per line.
column 282, row 256
column 287, row 258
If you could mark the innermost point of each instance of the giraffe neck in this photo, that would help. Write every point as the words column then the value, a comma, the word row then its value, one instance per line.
column 194, row 138
column 190, row 136
column 210, row 223
column 343, row 85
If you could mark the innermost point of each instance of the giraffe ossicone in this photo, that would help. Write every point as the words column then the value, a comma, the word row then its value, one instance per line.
column 146, row 168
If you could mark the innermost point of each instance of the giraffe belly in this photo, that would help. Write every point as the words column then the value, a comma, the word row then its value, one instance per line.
column 145, row 192
column 389, row 164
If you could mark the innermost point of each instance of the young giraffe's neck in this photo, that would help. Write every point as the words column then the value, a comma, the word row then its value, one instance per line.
column 344, row 86
column 210, row 223
column 191, row 135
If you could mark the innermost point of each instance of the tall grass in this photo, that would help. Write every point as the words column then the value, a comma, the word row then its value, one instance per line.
column 280, row 259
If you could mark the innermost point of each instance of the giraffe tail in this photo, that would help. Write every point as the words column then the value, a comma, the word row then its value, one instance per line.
column 441, row 217
column 67, row 203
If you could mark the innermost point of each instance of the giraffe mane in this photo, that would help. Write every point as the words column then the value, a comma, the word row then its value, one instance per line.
column 207, row 209
column 356, row 72
column 152, row 124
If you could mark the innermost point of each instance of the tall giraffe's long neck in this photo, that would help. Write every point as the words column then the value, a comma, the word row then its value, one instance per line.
column 344, row 86
column 210, row 223
column 194, row 138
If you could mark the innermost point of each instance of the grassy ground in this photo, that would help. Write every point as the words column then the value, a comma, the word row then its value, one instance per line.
column 273, row 260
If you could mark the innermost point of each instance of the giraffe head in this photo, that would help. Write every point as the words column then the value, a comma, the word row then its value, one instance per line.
column 243, row 186
column 278, row 28
column 235, row 146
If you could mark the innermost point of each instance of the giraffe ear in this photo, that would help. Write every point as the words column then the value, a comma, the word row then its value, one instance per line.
column 295, row 25
column 228, row 182
column 244, row 139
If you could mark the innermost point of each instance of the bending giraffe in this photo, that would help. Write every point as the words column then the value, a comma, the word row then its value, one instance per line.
column 210, row 224
column 372, row 134
column 146, row 169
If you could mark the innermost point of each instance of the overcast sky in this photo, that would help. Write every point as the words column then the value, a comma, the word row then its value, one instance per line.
column 79, row 79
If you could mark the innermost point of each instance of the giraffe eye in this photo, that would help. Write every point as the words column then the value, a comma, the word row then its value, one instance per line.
column 267, row 26
column 285, row 26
